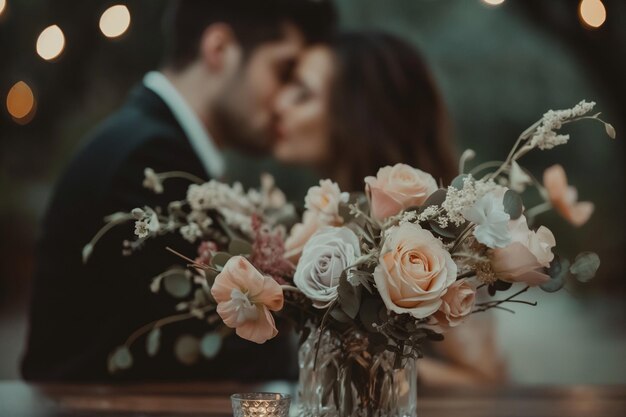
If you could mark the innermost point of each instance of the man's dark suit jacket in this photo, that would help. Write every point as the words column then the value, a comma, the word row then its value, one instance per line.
column 81, row 312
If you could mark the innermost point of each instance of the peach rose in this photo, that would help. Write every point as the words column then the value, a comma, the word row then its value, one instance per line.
column 300, row 235
column 526, row 257
column 414, row 271
column 324, row 200
column 457, row 303
column 244, row 300
column 564, row 198
column 397, row 188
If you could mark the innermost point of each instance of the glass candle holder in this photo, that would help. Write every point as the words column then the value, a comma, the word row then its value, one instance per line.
column 260, row 404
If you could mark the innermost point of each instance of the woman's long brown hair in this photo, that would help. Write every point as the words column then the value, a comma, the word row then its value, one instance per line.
column 385, row 109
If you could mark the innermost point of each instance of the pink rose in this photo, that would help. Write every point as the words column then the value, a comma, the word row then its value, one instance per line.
column 300, row 235
column 397, row 188
column 564, row 198
column 526, row 257
column 324, row 200
column 457, row 303
column 244, row 300
column 414, row 271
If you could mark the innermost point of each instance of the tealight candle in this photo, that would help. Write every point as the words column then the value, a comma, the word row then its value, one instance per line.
column 260, row 404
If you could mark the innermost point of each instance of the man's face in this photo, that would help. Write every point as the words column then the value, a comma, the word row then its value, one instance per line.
column 245, row 106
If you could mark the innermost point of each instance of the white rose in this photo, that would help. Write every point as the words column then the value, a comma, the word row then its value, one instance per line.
column 324, row 258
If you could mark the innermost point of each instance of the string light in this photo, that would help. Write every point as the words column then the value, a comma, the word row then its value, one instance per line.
column 21, row 103
column 3, row 5
column 115, row 21
column 50, row 42
column 493, row 2
column 592, row 13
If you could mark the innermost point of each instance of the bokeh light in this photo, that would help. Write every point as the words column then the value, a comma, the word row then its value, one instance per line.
column 115, row 21
column 493, row 2
column 50, row 42
column 21, row 102
column 3, row 5
column 592, row 13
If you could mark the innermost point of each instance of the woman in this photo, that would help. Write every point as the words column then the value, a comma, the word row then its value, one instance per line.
column 365, row 101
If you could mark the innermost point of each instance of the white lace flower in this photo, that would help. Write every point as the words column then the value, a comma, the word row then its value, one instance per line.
column 545, row 136
column 141, row 229
column 152, row 181
column 191, row 232
column 491, row 221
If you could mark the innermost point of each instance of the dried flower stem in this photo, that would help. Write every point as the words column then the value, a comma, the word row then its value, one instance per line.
column 163, row 322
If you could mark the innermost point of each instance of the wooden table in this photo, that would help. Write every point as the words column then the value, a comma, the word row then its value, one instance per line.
column 18, row 399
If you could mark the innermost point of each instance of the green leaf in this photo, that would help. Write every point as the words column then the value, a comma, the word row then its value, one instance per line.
column 513, row 204
column 220, row 259
column 458, row 181
column 447, row 232
column 153, row 341
column 187, row 349
column 177, row 283
column 338, row 314
column 436, row 198
column 349, row 297
column 120, row 359
column 585, row 266
column 370, row 312
column 558, row 272
column 239, row 246
column 210, row 345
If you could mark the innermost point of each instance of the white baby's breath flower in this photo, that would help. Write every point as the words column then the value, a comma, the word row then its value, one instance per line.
column 458, row 200
column 141, row 229
column 152, row 181
column 491, row 221
column 191, row 232
column 545, row 136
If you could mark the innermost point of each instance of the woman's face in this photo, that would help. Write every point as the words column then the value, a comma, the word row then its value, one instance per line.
column 302, row 131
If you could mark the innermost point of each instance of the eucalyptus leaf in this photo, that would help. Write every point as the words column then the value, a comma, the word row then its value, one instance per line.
column 447, row 232
column 369, row 312
column 120, row 359
column 177, row 283
column 338, row 314
column 349, row 297
column 210, row 345
column 220, row 259
column 436, row 199
column 239, row 246
column 585, row 266
column 153, row 341
column 187, row 349
column 513, row 204
column 210, row 275
column 458, row 181
column 558, row 272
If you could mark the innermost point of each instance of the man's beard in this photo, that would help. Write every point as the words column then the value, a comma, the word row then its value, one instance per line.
column 236, row 131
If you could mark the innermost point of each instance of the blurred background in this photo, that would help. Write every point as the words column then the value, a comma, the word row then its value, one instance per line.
column 65, row 65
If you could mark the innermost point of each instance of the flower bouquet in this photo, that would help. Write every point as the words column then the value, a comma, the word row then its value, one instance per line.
column 366, row 278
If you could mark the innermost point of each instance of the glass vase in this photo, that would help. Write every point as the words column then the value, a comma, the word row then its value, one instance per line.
column 343, row 377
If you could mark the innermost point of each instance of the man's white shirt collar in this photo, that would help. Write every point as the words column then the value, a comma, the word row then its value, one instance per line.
column 200, row 140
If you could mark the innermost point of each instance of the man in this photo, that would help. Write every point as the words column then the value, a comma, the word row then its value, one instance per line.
column 225, row 63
